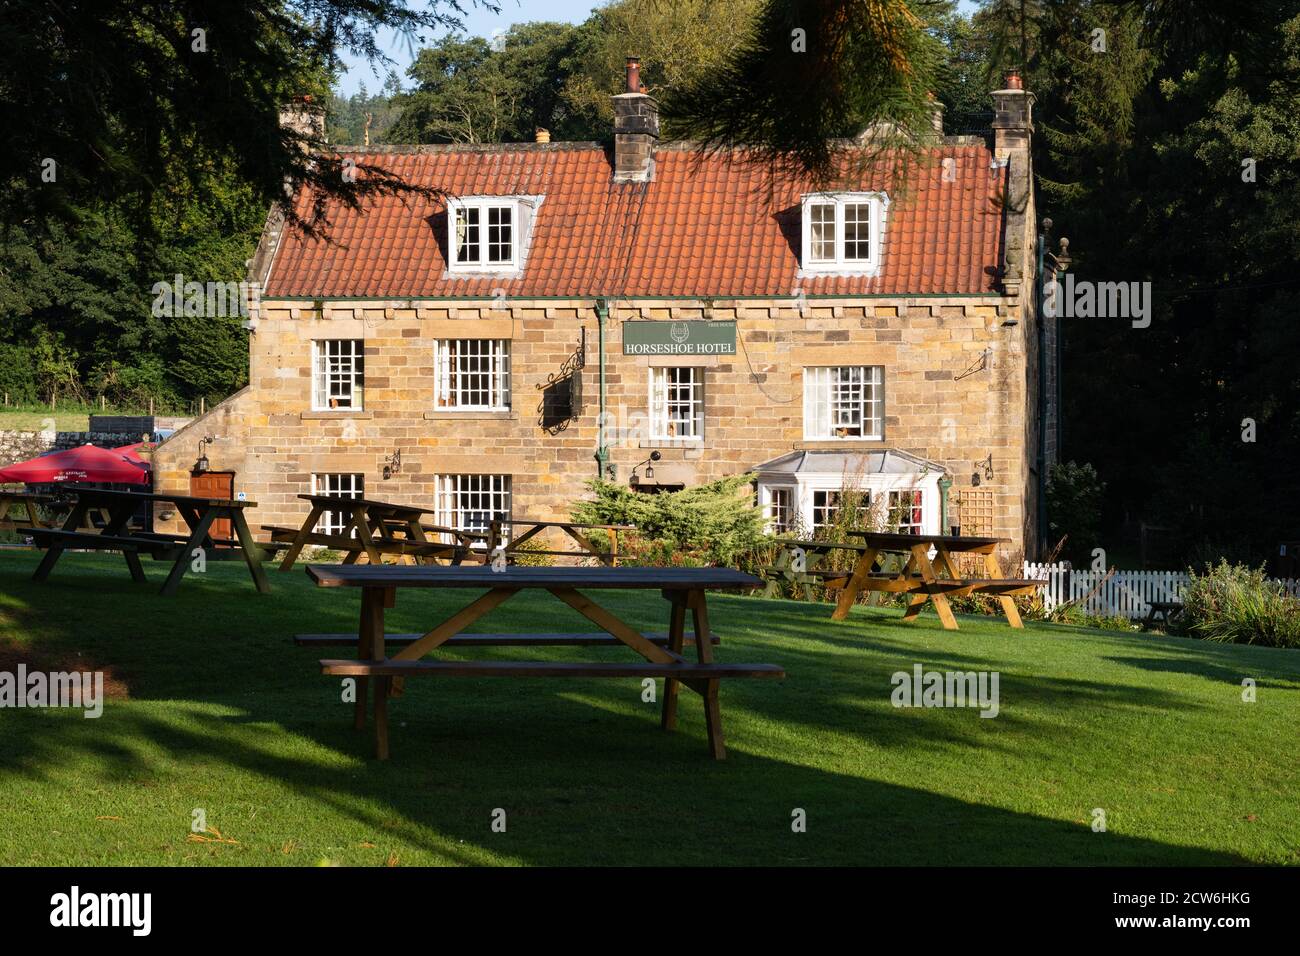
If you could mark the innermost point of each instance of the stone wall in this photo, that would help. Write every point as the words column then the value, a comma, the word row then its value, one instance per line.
column 955, row 391
column 18, row 446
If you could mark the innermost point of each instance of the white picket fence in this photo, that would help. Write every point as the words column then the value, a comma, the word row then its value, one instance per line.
column 1126, row 594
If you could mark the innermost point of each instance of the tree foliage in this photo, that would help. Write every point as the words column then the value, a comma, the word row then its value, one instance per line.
column 813, row 71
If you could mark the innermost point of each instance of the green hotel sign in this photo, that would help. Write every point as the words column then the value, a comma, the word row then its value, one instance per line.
column 641, row 337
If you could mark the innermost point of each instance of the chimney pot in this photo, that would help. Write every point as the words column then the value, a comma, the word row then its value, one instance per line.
column 1013, row 80
column 542, row 135
column 634, row 75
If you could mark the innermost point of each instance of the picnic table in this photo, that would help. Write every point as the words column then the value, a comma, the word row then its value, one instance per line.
column 661, row 654
column 118, row 535
column 578, row 532
column 925, row 579
column 375, row 529
column 28, row 501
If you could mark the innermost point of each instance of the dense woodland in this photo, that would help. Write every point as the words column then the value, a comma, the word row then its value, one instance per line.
column 1167, row 149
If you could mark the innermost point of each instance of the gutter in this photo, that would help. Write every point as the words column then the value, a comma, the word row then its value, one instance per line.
column 1041, row 457
column 602, row 449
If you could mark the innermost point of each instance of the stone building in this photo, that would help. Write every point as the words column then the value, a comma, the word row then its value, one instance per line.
column 459, row 353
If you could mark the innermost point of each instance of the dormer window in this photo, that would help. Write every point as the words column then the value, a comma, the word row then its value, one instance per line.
column 842, row 232
column 489, row 233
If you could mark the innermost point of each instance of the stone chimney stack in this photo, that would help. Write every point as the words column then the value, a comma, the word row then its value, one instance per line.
column 636, row 129
column 1013, row 127
column 304, row 117
column 1013, row 120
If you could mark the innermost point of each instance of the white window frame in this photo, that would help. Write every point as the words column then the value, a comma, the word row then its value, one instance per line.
column 485, row 206
column 915, row 520
column 336, row 485
column 767, row 501
column 661, row 405
column 349, row 366
column 452, row 491
column 840, row 263
column 449, row 389
column 822, row 386
column 879, row 486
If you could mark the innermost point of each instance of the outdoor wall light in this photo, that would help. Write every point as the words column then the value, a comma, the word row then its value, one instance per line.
column 649, row 468
column 986, row 466
column 201, row 466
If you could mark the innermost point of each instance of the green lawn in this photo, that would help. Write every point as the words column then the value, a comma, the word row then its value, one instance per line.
column 221, row 712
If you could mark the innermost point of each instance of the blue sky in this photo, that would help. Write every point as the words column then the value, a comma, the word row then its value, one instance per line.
column 478, row 22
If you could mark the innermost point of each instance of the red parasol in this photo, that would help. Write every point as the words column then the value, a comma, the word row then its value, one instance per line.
column 132, row 451
column 86, row 463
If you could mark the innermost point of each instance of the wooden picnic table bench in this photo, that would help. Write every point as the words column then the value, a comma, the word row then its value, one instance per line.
column 117, row 535
column 374, row 529
column 575, row 530
column 929, row 580
column 1163, row 612
column 28, row 501
column 661, row 655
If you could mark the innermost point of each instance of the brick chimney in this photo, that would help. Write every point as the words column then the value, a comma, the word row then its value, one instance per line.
column 636, row 129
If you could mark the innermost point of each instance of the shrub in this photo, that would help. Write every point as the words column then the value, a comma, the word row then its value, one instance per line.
column 714, row 523
column 1234, row 603
column 526, row 555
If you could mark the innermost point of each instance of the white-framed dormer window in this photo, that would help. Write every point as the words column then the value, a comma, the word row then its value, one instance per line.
column 677, row 403
column 843, row 402
column 489, row 233
column 842, row 232
column 472, row 374
column 338, row 374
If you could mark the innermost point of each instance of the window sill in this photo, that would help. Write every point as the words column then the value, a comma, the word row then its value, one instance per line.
column 505, row 414
column 672, row 443
column 341, row 413
column 831, row 444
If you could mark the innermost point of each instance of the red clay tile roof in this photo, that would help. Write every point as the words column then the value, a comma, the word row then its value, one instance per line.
column 705, row 226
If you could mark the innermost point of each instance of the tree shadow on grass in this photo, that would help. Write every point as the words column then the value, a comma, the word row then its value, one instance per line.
column 580, row 767
column 612, row 791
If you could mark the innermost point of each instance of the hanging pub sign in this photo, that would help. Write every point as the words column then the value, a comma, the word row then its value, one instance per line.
column 696, row 337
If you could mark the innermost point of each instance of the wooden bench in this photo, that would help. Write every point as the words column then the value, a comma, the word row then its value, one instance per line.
column 591, row 639
column 89, row 541
column 683, row 672
column 1168, row 612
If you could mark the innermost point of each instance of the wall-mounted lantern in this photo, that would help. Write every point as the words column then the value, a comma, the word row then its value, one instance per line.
column 649, row 469
column 201, row 465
